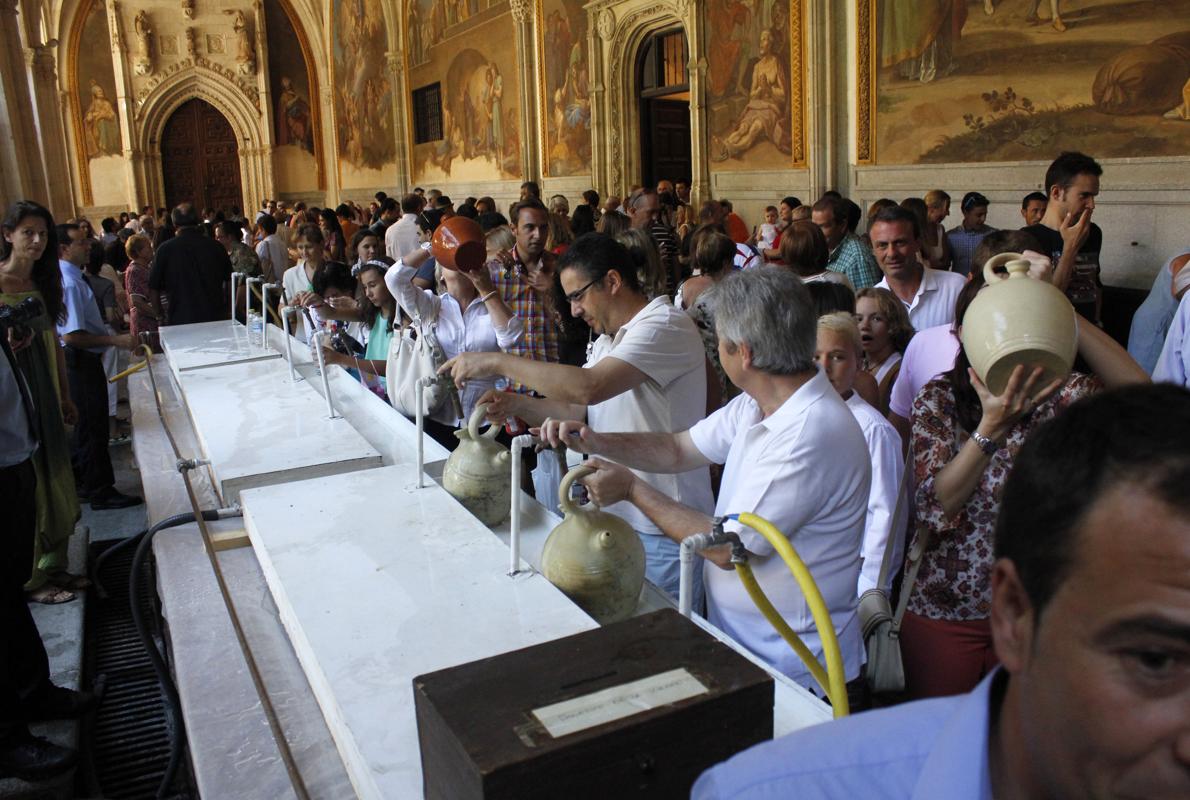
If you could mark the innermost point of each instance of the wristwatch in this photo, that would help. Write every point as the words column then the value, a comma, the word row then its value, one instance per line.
column 985, row 444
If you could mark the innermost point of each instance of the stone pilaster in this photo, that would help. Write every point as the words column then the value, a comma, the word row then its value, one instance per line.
column 48, row 107
column 526, row 56
column 700, row 164
column 394, row 62
column 21, row 165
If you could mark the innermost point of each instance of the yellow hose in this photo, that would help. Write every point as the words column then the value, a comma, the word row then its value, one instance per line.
column 137, row 367
column 272, row 313
column 833, row 680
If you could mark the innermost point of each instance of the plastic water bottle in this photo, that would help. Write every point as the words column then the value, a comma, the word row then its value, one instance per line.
column 255, row 323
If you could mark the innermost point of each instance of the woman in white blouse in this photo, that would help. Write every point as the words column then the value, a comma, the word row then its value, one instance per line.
column 469, row 316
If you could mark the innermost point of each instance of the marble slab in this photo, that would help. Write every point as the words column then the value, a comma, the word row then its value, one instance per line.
column 378, row 581
column 259, row 429
column 211, row 344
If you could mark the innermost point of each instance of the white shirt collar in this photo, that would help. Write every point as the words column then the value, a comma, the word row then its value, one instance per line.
column 799, row 402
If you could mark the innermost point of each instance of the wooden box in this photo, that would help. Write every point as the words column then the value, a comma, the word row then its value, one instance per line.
column 564, row 718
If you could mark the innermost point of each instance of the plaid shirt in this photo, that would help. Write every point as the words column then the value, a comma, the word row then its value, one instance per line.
column 536, row 312
column 856, row 262
column 963, row 242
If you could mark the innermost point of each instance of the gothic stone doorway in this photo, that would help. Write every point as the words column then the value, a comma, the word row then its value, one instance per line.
column 200, row 158
column 664, row 91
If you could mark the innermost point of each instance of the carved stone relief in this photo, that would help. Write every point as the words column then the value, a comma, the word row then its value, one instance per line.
column 245, row 49
column 191, row 42
column 142, row 56
column 188, row 9
column 246, row 87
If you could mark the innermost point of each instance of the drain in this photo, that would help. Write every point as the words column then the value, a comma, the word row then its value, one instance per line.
column 127, row 747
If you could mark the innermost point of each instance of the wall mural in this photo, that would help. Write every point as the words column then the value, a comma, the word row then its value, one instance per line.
column 754, row 98
column 566, row 85
column 362, row 94
column 98, row 123
column 1015, row 80
column 475, row 67
column 294, row 125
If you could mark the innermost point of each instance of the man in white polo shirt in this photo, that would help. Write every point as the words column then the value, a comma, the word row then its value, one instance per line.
column 646, row 372
column 928, row 294
column 792, row 453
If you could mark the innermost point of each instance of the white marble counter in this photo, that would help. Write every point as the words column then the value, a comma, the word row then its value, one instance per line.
column 211, row 344
column 258, row 429
column 377, row 582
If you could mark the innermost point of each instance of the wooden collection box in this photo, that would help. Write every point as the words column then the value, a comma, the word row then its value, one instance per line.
column 635, row 709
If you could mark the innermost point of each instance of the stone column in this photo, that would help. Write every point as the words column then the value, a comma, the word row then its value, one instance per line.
column 700, row 165
column 394, row 62
column 330, row 148
column 48, row 106
column 138, row 189
column 267, row 187
column 526, row 56
column 826, row 95
column 600, row 29
column 22, row 172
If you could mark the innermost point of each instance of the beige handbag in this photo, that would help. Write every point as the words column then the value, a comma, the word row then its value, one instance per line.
column 410, row 358
column 885, row 673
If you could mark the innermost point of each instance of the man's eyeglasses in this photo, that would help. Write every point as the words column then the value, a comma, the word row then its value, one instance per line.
column 577, row 294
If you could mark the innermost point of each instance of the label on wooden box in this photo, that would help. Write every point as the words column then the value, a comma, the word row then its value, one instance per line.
column 618, row 702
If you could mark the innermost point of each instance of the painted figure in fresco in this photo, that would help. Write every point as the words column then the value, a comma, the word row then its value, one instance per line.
column 989, row 8
column 724, row 58
column 493, row 100
column 100, row 126
column 766, row 116
column 448, row 148
column 293, row 112
column 438, row 20
column 920, row 37
column 1145, row 79
column 362, row 90
column 417, row 49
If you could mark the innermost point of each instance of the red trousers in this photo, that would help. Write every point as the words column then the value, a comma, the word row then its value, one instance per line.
column 943, row 657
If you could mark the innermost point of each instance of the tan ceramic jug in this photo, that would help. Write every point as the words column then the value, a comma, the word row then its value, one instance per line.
column 476, row 474
column 1018, row 320
column 594, row 557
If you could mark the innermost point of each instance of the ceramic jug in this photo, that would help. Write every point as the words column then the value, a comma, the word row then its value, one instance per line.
column 594, row 557
column 476, row 474
column 1018, row 320
column 458, row 243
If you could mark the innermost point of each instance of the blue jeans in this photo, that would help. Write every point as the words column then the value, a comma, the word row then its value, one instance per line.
column 663, row 568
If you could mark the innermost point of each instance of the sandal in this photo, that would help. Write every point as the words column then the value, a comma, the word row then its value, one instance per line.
column 68, row 581
column 50, row 595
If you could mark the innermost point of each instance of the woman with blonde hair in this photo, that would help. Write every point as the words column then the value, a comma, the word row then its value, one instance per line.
column 885, row 332
column 933, row 235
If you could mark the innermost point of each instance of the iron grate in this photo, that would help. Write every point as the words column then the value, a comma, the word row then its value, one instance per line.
column 127, row 746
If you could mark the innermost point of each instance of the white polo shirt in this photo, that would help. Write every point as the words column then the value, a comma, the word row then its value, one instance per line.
column 401, row 237
column 933, row 304
column 1173, row 365
column 806, row 469
column 663, row 343
column 884, row 447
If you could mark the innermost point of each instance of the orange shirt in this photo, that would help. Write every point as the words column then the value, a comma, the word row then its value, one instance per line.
column 736, row 228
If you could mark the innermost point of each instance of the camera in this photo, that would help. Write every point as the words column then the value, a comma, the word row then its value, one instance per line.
column 17, row 318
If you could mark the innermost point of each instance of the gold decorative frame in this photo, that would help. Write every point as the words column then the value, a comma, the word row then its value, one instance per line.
column 797, row 85
column 865, row 82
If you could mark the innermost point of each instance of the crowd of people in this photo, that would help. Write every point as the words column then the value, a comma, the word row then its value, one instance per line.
column 804, row 369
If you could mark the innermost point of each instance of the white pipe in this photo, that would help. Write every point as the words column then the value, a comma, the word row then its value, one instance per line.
column 514, row 516
column 422, row 384
column 285, row 312
column 264, row 314
column 235, row 278
column 686, row 550
column 326, row 384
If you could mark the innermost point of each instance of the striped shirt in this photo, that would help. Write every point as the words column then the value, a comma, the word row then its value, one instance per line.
column 964, row 242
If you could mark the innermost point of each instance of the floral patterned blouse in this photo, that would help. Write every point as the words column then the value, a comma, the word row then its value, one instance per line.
column 136, row 281
column 954, row 582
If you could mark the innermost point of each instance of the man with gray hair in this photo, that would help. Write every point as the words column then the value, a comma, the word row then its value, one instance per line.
column 792, row 453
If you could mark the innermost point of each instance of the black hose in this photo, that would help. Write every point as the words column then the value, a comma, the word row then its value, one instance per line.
column 168, row 690
column 129, row 541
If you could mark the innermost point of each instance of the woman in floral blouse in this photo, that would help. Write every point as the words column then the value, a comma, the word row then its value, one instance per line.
column 964, row 441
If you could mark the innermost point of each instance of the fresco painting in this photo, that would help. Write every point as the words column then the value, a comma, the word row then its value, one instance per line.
column 481, row 100
column 748, row 83
column 362, row 94
column 1020, row 80
column 567, row 88
column 289, row 83
column 99, row 123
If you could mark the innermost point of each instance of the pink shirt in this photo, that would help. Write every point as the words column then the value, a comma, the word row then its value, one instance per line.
column 930, row 352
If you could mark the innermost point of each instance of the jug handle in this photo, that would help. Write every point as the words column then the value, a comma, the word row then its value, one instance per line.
column 575, row 474
column 1003, row 260
column 477, row 416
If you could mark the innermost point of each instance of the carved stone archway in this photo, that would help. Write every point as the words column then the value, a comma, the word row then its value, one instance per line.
column 200, row 81
column 618, row 30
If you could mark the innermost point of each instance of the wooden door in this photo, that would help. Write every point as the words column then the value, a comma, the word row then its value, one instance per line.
column 666, row 141
column 200, row 158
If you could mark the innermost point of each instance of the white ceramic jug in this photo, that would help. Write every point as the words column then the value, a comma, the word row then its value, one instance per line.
column 476, row 474
column 1018, row 320
column 594, row 557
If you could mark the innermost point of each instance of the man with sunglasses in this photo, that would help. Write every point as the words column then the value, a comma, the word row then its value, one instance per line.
column 646, row 373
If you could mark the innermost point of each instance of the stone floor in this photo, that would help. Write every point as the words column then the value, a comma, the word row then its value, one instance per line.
column 61, row 626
